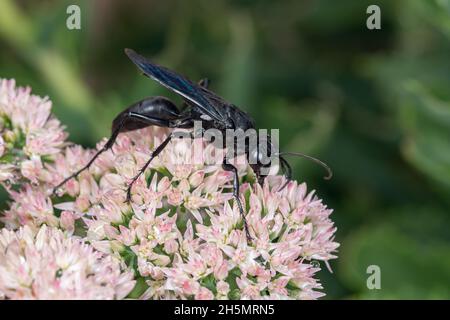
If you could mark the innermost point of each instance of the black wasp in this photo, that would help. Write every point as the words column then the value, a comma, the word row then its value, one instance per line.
column 201, row 104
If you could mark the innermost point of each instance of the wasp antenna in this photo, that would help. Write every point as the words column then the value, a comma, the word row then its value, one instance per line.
column 323, row 164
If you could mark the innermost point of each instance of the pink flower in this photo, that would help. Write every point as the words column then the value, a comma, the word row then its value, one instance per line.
column 204, row 294
column 31, row 207
column 2, row 146
column 248, row 289
column 28, row 126
column 67, row 221
column 223, row 288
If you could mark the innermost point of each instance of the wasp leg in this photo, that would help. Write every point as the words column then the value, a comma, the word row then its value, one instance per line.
column 154, row 154
column 107, row 146
column 142, row 170
column 229, row 167
column 156, row 111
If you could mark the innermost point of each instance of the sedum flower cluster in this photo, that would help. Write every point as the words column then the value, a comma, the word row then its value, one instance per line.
column 29, row 134
column 181, row 236
column 51, row 265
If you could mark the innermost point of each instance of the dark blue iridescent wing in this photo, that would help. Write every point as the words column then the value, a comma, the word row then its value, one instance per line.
column 207, row 101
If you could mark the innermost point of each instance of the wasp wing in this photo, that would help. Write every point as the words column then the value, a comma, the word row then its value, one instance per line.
column 207, row 101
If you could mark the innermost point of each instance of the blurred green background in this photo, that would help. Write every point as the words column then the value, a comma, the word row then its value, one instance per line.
column 374, row 104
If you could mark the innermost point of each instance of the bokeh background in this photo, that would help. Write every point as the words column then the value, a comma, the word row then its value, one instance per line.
column 375, row 105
